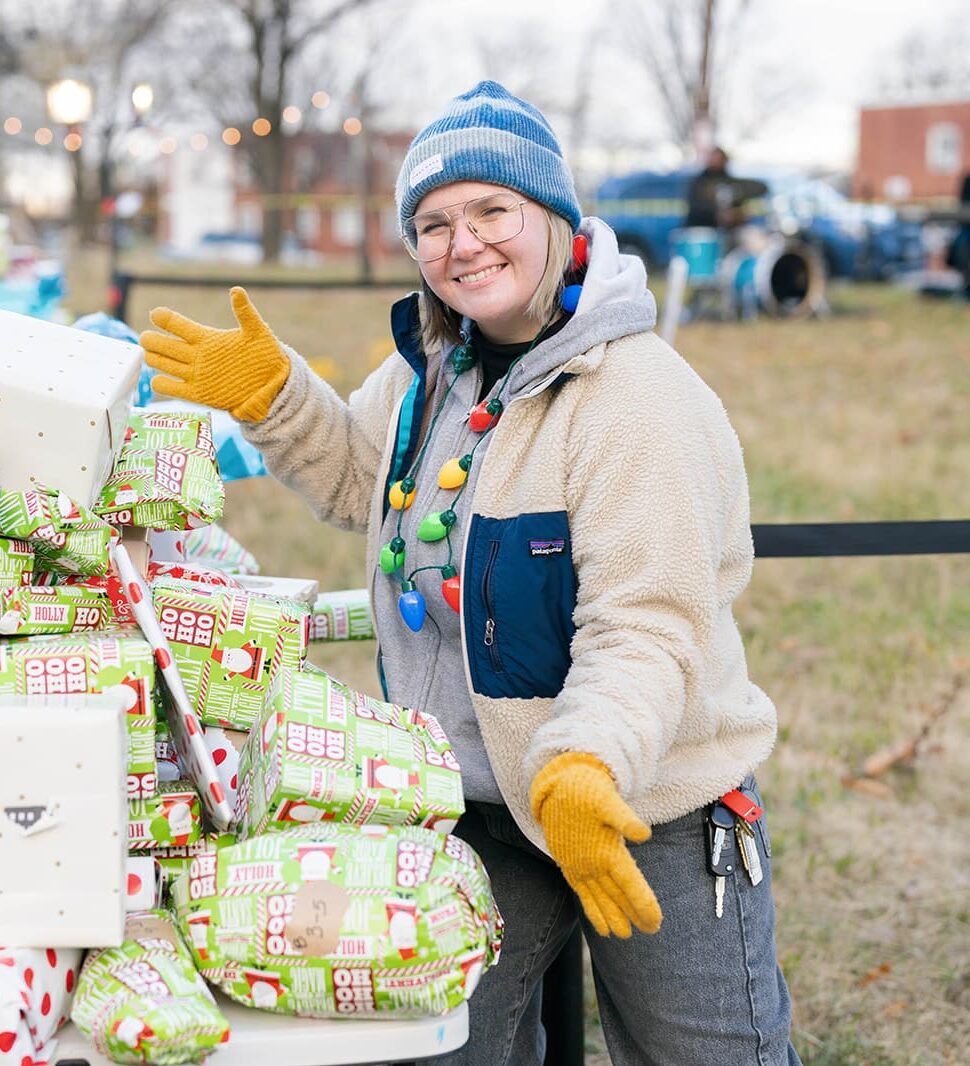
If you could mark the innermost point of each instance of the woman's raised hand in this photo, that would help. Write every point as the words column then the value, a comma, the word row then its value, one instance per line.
column 239, row 370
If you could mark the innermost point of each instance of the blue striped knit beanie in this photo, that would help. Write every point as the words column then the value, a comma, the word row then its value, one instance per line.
column 487, row 134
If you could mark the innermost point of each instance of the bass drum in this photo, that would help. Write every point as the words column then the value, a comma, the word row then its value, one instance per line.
column 786, row 279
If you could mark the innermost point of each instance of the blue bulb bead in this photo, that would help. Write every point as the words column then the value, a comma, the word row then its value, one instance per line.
column 413, row 608
column 569, row 300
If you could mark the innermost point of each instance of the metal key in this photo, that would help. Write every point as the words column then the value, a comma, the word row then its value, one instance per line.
column 748, row 847
column 719, row 838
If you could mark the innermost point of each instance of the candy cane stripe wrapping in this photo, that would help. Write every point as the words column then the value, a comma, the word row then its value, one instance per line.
column 182, row 719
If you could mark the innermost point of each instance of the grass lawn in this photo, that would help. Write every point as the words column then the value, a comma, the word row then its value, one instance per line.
column 859, row 416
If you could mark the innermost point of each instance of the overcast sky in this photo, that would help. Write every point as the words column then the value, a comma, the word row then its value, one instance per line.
column 836, row 48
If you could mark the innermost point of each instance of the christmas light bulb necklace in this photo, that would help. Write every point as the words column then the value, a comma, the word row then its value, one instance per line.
column 482, row 419
column 437, row 525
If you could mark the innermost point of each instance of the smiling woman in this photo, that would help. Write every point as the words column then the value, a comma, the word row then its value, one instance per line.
column 557, row 518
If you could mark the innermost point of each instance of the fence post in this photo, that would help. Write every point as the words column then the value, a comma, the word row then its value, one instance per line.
column 118, row 295
column 562, row 1005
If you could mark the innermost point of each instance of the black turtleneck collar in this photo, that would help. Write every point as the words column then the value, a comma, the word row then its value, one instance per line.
column 496, row 359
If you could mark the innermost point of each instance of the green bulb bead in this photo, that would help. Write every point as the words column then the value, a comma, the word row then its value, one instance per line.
column 397, row 544
column 432, row 528
column 494, row 407
column 448, row 518
column 407, row 485
column 465, row 462
column 390, row 560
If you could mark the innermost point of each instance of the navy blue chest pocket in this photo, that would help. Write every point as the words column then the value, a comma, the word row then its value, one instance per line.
column 519, row 593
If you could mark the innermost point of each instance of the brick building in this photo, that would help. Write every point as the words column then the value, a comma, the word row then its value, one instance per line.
column 326, row 176
column 326, row 179
column 913, row 152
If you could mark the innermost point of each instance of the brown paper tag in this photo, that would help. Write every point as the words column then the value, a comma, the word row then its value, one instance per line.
column 318, row 911
column 237, row 738
column 143, row 925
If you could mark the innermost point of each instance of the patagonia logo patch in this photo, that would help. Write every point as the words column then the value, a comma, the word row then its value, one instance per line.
column 547, row 547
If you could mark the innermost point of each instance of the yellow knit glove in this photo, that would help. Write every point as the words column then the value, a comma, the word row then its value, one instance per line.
column 585, row 822
column 238, row 370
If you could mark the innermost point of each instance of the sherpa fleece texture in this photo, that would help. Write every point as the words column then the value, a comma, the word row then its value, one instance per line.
column 640, row 454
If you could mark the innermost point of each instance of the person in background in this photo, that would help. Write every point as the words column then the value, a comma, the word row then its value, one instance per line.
column 958, row 254
column 715, row 198
column 557, row 525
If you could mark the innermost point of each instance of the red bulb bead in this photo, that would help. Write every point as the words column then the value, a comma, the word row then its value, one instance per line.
column 480, row 419
column 451, row 590
column 580, row 252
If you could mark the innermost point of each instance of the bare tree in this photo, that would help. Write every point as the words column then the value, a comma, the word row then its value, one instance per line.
column 692, row 53
column 930, row 64
column 242, row 59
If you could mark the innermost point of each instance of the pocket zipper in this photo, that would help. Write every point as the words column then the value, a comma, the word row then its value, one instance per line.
column 489, row 638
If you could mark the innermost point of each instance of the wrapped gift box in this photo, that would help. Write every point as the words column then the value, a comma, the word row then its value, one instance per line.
column 322, row 752
column 64, row 535
column 144, row 1001
column 33, row 610
column 335, row 921
column 343, row 615
column 65, row 396
column 228, row 645
column 63, row 813
column 302, row 589
column 109, row 661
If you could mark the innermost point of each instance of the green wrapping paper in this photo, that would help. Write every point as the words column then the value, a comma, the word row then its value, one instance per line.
column 173, row 817
column 342, row 615
column 228, row 645
column 151, row 430
column 31, row 611
column 16, row 563
column 333, row 921
column 169, row 488
column 322, row 751
column 65, row 537
column 144, row 1001
column 175, row 860
column 111, row 660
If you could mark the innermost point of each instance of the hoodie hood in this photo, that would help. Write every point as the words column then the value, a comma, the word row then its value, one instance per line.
column 615, row 302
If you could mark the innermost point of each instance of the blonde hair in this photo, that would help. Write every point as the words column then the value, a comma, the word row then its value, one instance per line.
column 441, row 323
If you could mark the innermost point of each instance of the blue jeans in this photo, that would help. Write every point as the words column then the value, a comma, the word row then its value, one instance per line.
column 704, row 991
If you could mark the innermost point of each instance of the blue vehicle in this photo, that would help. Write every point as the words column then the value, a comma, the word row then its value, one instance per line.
column 854, row 240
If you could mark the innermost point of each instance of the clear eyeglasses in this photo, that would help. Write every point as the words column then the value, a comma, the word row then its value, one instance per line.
column 494, row 218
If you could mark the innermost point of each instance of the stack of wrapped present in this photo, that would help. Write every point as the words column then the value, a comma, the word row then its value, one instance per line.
column 279, row 836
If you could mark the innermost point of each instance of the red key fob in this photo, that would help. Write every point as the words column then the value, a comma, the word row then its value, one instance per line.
column 742, row 805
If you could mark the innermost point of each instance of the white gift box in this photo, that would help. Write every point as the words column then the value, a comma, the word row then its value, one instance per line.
column 63, row 815
column 65, row 395
column 301, row 589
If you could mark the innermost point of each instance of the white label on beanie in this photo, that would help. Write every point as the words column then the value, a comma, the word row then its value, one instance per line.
column 432, row 165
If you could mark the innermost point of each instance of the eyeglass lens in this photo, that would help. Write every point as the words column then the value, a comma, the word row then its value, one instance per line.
column 493, row 218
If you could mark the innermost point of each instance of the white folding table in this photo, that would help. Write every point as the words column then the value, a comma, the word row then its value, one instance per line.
column 259, row 1038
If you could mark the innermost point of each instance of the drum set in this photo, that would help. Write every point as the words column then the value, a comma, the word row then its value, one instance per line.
column 747, row 271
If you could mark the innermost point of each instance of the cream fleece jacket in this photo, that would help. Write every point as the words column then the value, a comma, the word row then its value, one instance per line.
column 639, row 453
